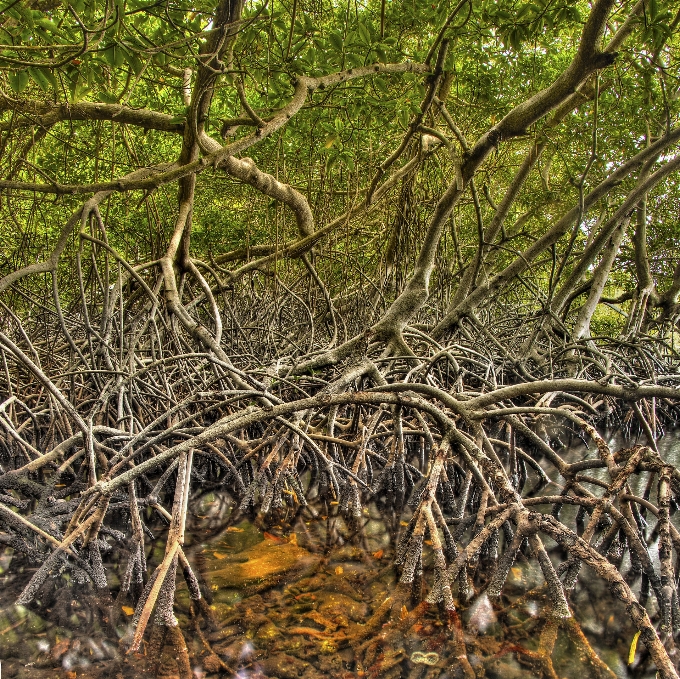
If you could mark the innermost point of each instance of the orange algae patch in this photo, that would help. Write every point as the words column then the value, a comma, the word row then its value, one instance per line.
column 263, row 565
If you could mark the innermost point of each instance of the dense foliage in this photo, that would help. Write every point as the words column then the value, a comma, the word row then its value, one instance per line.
column 58, row 60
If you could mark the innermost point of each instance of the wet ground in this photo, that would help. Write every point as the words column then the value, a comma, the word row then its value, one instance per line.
column 309, row 601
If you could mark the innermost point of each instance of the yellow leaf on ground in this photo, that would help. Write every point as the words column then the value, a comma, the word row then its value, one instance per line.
column 378, row 554
column 128, row 610
column 339, row 570
column 404, row 612
column 633, row 648
column 233, row 529
column 217, row 555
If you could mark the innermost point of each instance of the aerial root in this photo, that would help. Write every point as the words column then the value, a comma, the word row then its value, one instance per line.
column 451, row 445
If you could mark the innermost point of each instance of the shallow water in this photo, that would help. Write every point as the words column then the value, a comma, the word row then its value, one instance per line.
column 311, row 601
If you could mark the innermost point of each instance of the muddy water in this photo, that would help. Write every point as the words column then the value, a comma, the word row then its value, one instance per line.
column 311, row 601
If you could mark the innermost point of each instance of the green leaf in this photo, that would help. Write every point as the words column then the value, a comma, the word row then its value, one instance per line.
column 336, row 41
column 73, row 88
column 652, row 9
column 116, row 55
column 364, row 33
column 108, row 97
column 26, row 14
column 332, row 160
column 574, row 14
column 43, row 77
column 524, row 11
column 134, row 61
column 110, row 55
column 18, row 80
column 381, row 85
column 49, row 26
column 119, row 56
column 348, row 159
column 403, row 117
column 515, row 38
